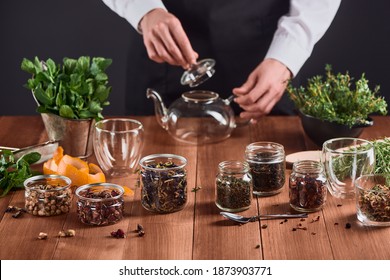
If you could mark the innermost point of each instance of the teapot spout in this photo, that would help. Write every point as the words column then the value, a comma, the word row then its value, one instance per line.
column 160, row 110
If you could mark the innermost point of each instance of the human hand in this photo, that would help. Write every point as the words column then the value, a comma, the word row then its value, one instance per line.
column 263, row 88
column 165, row 39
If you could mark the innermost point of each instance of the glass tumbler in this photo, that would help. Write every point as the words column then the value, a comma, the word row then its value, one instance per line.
column 346, row 159
column 118, row 145
column 373, row 199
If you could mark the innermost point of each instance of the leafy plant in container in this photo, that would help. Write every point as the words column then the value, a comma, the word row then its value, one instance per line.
column 336, row 106
column 70, row 98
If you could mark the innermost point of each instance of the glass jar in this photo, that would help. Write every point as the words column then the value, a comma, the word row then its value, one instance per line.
column 47, row 195
column 233, row 186
column 267, row 166
column 307, row 186
column 163, row 183
column 100, row 203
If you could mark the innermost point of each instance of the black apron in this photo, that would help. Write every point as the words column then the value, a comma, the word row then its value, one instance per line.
column 236, row 33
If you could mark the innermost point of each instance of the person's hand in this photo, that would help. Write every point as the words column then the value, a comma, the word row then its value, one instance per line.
column 263, row 88
column 165, row 39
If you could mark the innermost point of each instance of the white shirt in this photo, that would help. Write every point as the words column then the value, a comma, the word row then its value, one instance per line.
column 295, row 37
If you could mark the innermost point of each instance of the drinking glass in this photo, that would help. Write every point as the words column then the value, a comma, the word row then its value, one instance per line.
column 346, row 159
column 118, row 145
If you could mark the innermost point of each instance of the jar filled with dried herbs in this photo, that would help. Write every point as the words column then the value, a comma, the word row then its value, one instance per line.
column 163, row 183
column 233, row 190
column 307, row 186
column 267, row 166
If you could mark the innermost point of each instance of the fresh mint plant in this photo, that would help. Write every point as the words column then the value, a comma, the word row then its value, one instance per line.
column 336, row 98
column 77, row 89
column 14, row 172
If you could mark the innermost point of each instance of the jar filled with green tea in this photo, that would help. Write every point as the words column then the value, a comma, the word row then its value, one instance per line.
column 163, row 179
column 233, row 186
column 307, row 186
column 267, row 166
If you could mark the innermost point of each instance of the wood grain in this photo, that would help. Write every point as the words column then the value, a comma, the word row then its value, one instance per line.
column 198, row 231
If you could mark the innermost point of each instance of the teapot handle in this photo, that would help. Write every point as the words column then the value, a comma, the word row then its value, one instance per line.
column 242, row 122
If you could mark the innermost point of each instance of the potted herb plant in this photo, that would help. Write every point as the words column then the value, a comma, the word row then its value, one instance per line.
column 70, row 98
column 336, row 106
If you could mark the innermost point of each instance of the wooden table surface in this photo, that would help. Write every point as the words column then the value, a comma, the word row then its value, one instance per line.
column 197, row 232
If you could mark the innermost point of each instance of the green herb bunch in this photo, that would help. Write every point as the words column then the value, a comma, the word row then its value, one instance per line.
column 13, row 172
column 337, row 99
column 77, row 89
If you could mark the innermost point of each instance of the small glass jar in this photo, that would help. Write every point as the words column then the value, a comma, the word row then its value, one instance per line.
column 100, row 203
column 267, row 166
column 307, row 186
column 163, row 179
column 47, row 195
column 233, row 186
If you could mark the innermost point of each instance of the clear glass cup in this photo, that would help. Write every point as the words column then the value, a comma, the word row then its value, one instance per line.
column 163, row 179
column 373, row 199
column 118, row 145
column 48, row 195
column 346, row 159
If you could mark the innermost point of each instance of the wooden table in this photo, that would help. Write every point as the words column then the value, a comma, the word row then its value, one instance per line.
column 197, row 232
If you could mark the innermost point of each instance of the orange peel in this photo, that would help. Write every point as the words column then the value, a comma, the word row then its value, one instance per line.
column 79, row 171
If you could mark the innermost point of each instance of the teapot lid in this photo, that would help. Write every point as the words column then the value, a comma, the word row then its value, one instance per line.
column 198, row 73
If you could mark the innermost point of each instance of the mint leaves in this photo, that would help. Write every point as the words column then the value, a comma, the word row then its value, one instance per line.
column 77, row 89
column 13, row 173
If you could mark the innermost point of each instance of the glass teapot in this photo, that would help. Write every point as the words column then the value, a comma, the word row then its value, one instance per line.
column 198, row 117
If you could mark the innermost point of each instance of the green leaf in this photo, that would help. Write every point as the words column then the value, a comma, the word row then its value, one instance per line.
column 67, row 112
column 28, row 66
column 95, row 107
column 42, row 96
column 30, row 158
column 101, row 77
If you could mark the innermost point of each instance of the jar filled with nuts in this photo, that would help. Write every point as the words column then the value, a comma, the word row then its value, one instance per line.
column 47, row 195
column 307, row 186
column 100, row 203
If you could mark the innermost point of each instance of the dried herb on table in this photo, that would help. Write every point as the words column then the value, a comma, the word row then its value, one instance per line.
column 164, row 187
column 233, row 193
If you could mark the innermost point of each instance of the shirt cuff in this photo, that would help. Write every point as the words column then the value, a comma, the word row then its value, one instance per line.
column 286, row 50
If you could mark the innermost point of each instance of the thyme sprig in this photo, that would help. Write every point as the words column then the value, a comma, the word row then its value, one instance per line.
column 337, row 99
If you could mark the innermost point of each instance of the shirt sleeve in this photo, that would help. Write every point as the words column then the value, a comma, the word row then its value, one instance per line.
column 299, row 30
column 133, row 10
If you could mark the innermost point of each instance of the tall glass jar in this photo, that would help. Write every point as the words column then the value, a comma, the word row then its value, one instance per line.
column 267, row 167
column 233, row 186
column 307, row 186
column 163, row 183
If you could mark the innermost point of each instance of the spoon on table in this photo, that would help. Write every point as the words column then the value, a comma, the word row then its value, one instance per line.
column 244, row 220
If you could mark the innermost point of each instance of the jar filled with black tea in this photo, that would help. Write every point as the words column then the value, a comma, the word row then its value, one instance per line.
column 233, row 186
column 163, row 179
column 307, row 186
column 267, row 166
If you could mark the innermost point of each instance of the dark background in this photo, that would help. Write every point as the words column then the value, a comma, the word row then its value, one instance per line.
column 358, row 41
